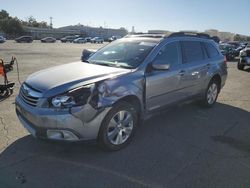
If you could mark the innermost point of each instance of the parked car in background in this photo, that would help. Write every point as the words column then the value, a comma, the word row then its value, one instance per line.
column 88, row 39
column 113, row 38
column 105, row 97
column 69, row 38
column 2, row 39
column 236, row 44
column 244, row 58
column 244, row 44
column 227, row 50
column 79, row 40
column 237, row 50
column 27, row 39
column 97, row 40
column 48, row 40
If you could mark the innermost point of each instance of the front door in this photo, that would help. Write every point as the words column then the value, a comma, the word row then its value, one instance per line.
column 162, row 85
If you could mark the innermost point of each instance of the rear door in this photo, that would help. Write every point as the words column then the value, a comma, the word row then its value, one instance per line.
column 194, row 57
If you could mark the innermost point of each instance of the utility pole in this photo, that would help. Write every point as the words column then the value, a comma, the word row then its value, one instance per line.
column 133, row 30
column 51, row 25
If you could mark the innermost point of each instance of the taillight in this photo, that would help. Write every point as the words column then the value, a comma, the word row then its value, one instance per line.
column 225, row 60
column 2, row 72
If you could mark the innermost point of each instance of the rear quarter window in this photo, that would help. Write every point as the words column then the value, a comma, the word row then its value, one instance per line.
column 211, row 50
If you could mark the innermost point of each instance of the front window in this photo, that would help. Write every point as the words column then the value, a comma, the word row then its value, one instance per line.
column 169, row 54
column 125, row 54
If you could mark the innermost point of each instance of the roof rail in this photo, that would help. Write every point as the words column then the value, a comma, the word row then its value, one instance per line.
column 177, row 34
column 146, row 35
column 189, row 34
column 194, row 34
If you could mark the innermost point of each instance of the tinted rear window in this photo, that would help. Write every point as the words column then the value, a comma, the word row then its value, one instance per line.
column 192, row 51
column 211, row 50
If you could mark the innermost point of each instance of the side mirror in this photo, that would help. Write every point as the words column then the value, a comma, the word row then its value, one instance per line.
column 86, row 53
column 159, row 65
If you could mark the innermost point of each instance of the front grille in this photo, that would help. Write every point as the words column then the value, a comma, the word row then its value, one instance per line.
column 248, row 53
column 29, row 96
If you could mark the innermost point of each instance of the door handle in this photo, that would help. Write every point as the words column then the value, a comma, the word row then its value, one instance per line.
column 195, row 73
column 208, row 65
column 182, row 72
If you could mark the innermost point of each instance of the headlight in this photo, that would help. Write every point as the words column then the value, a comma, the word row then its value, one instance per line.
column 243, row 53
column 75, row 97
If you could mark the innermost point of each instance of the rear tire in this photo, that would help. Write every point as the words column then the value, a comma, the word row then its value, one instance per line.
column 240, row 66
column 118, row 127
column 211, row 94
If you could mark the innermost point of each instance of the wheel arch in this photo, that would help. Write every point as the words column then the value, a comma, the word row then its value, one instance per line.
column 216, row 77
column 133, row 100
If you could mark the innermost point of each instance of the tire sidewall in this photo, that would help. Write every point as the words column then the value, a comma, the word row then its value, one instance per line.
column 240, row 66
column 213, row 81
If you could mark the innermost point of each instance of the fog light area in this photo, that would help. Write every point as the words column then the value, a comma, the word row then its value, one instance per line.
column 61, row 135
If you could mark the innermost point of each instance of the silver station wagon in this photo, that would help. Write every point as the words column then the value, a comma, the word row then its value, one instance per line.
column 105, row 97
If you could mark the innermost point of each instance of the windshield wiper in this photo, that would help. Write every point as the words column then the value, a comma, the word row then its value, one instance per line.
column 86, row 61
column 112, row 64
column 123, row 66
column 104, row 64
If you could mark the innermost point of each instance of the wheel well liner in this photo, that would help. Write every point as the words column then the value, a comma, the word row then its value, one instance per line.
column 218, row 79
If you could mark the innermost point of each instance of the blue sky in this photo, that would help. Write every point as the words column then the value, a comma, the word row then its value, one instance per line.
column 173, row 15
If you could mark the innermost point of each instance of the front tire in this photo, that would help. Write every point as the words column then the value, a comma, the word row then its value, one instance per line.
column 211, row 94
column 240, row 66
column 118, row 127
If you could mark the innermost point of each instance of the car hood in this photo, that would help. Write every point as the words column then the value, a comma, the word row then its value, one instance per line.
column 59, row 79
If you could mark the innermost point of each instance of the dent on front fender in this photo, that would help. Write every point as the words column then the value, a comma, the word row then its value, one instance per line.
column 112, row 91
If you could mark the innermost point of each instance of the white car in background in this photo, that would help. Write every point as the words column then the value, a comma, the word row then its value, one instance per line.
column 97, row 40
column 80, row 40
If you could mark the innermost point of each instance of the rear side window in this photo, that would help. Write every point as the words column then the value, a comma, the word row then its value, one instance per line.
column 192, row 51
column 211, row 50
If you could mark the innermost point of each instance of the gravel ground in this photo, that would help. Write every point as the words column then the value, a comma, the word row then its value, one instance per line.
column 187, row 146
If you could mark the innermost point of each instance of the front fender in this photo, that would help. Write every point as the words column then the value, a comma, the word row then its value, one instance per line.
column 112, row 95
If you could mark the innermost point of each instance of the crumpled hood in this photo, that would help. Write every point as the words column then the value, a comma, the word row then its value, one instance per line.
column 62, row 78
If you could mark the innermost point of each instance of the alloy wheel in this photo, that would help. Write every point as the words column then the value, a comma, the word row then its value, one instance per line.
column 212, row 93
column 120, row 127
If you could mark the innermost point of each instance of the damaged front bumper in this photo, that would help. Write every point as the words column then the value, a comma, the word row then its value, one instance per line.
column 71, row 124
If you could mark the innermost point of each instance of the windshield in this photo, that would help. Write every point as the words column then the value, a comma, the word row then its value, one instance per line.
column 125, row 54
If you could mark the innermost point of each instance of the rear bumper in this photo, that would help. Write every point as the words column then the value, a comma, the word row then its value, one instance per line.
column 75, row 124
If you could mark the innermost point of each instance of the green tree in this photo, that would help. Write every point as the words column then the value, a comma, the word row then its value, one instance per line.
column 237, row 37
column 4, row 14
column 11, row 26
column 31, row 22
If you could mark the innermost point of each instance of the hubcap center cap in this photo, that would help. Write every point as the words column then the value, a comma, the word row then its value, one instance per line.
column 120, row 126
